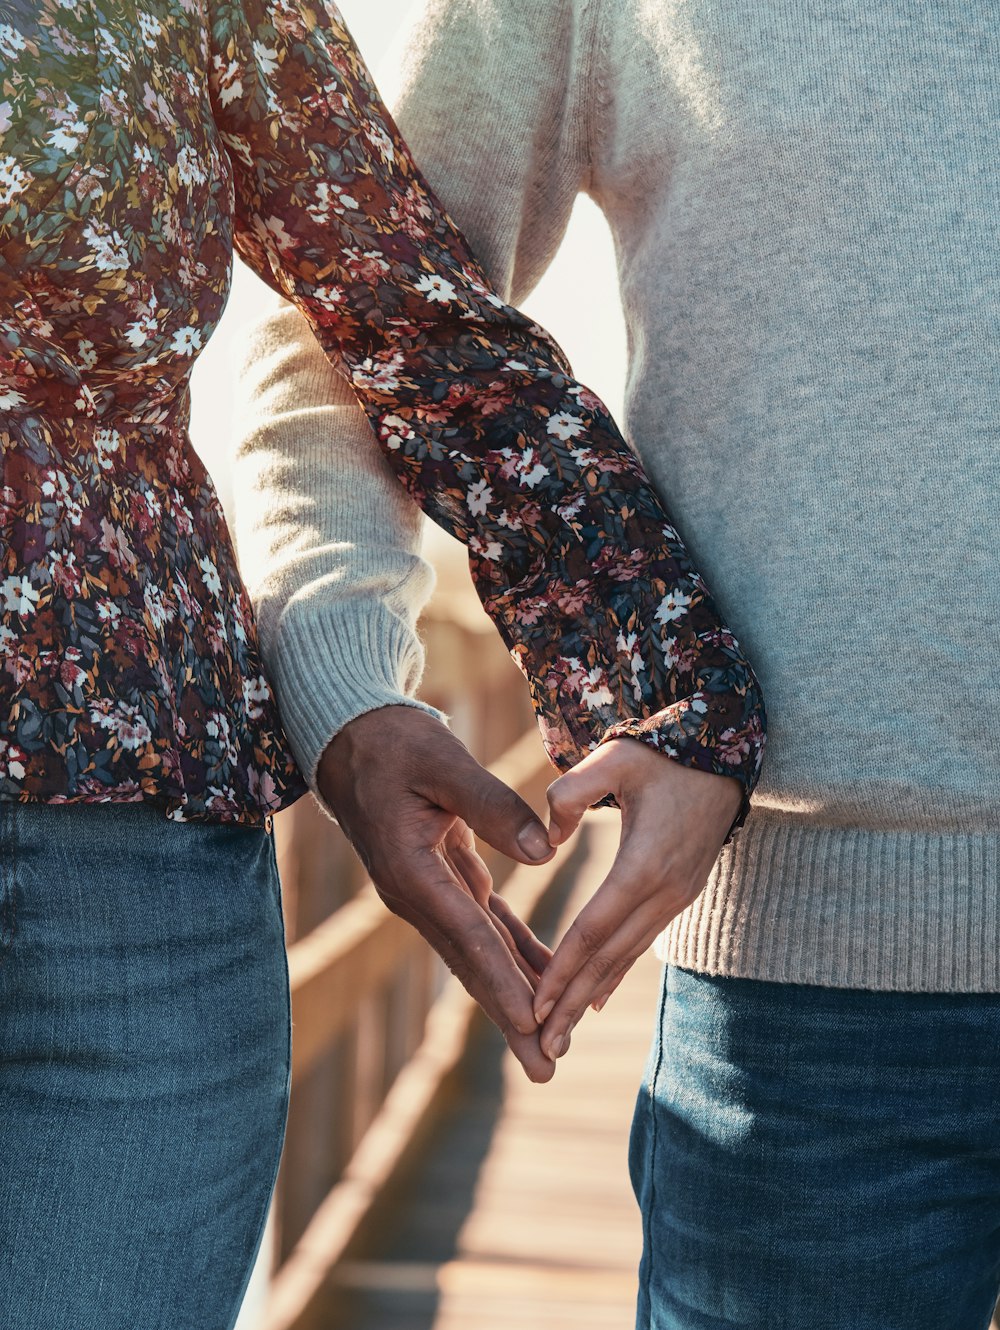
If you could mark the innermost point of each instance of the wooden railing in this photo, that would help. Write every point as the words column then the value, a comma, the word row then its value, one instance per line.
column 378, row 1024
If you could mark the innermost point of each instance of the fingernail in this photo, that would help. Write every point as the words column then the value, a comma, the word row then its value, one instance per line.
column 556, row 1047
column 544, row 1012
column 601, row 1003
column 534, row 842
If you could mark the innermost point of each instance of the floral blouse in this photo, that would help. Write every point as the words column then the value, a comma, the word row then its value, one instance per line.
column 141, row 143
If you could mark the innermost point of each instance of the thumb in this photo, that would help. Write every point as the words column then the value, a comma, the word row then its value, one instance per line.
column 590, row 781
column 492, row 809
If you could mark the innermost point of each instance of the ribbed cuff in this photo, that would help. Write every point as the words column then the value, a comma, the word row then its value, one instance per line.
column 794, row 903
column 334, row 661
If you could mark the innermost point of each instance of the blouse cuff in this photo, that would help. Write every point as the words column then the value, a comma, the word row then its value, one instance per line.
column 677, row 732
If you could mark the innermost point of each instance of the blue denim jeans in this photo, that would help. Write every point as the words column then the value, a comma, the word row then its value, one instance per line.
column 144, row 1064
column 819, row 1159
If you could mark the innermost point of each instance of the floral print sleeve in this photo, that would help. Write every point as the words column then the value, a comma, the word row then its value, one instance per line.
column 572, row 552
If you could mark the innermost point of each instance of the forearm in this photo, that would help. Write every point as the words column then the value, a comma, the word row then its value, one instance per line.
column 573, row 553
column 328, row 542
column 327, row 533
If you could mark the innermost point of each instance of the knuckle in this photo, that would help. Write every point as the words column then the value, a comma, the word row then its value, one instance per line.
column 558, row 796
column 460, row 969
column 591, row 939
column 476, row 941
column 603, row 966
column 678, row 890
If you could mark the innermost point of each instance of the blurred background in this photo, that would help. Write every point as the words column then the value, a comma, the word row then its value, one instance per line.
column 425, row 1184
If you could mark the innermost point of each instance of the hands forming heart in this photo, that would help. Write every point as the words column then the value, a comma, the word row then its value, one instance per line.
column 411, row 799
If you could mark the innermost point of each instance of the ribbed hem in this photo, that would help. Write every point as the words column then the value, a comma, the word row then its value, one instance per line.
column 902, row 910
column 335, row 661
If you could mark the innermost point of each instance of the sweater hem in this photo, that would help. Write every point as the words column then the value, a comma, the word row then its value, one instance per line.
column 902, row 911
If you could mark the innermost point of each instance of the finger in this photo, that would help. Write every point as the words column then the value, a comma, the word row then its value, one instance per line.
column 622, row 954
column 590, row 781
column 602, row 966
column 520, row 959
column 534, row 951
column 490, row 808
column 436, row 895
column 526, row 1048
column 469, row 865
column 631, row 891
column 466, row 860
column 608, row 994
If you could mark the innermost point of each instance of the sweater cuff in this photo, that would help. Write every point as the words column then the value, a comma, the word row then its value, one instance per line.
column 333, row 662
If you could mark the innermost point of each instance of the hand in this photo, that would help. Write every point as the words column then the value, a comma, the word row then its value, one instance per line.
column 674, row 822
column 409, row 797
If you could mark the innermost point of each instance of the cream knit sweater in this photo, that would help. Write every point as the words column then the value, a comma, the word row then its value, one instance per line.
column 804, row 200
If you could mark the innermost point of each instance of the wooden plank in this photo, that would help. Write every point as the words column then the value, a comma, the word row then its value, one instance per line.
column 487, row 1279
column 337, row 966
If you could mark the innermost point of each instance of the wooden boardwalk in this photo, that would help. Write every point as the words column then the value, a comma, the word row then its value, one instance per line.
column 518, row 1213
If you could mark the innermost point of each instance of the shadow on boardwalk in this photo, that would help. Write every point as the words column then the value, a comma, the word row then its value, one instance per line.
column 518, row 1214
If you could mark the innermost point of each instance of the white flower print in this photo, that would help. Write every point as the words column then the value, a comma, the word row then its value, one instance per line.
column 137, row 333
column 210, row 576
column 11, row 761
column 396, row 431
column 379, row 138
column 227, row 80
column 628, row 645
column 564, row 426
column 108, row 246
column 67, row 137
column 126, row 722
column 266, row 57
column 567, row 511
column 190, row 170
column 159, row 607
column 220, row 729
column 149, row 30
column 435, row 288
column 6, row 116
column 530, row 471
column 382, row 375
column 109, row 612
column 256, row 692
column 486, row 549
column 12, row 42
column 673, row 606
column 13, row 180
column 329, row 199
column 10, row 399
column 273, row 234
column 186, row 341
column 19, row 596
column 479, row 498
column 594, row 690
column 329, row 296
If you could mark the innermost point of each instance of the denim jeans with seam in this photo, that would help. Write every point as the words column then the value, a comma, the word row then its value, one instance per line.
column 144, row 1066
column 818, row 1159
